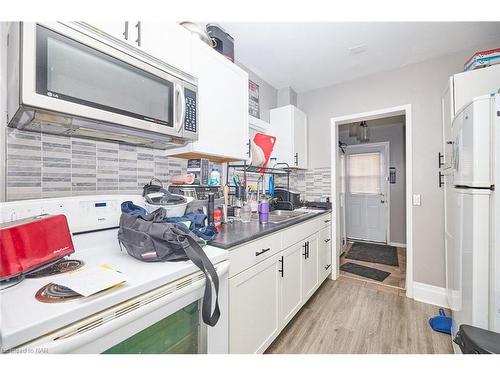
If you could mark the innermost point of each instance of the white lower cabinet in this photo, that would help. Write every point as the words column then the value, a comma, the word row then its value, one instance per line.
column 254, row 307
column 310, row 266
column 291, row 285
column 268, row 289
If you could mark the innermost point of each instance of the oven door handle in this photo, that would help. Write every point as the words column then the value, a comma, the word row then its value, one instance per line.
column 103, row 330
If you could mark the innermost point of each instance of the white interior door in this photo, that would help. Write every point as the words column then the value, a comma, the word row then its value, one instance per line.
column 366, row 192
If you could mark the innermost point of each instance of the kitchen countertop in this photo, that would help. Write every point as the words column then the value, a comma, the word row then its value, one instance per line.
column 237, row 233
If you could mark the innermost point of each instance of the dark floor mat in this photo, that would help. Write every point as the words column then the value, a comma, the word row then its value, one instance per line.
column 369, row 252
column 371, row 273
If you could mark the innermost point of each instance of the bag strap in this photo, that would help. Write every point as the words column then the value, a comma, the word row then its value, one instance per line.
column 196, row 254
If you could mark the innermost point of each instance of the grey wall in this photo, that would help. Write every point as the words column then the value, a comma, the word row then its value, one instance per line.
column 287, row 96
column 267, row 93
column 392, row 132
column 420, row 85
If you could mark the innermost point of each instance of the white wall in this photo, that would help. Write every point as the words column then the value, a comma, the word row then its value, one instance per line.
column 420, row 85
column 387, row 130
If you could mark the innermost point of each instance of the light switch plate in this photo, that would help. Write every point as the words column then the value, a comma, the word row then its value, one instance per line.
column 417, row 200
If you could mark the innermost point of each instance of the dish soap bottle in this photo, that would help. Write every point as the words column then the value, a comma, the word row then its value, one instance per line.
column 214, row 177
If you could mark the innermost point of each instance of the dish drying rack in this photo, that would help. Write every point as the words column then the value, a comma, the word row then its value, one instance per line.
column 279, row 169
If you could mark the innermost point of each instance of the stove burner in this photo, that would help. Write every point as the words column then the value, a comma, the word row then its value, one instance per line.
column 53, row 293
column 65, row 265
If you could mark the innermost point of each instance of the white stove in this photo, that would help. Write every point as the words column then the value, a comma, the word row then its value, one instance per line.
column 153, row 291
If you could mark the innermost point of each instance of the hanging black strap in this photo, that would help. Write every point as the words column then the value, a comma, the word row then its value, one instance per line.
column 196, row 254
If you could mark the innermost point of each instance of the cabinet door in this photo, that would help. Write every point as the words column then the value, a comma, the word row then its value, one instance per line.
column 123, row 30
column 254, row 320
column 300, row 138
column 447, row 113
column 310, row 267
column 291, row 289
column 325, row 253
column 223, row 104
column 281, row 121
column 168, row 42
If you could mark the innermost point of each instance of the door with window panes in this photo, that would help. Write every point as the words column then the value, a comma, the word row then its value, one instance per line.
column 366, row 192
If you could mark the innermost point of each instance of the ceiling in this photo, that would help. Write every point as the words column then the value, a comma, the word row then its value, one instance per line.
column 307, row 56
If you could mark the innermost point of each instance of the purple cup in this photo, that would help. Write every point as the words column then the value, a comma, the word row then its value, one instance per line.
column 263, row 209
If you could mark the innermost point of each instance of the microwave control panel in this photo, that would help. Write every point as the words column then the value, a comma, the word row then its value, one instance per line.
column 190, row 120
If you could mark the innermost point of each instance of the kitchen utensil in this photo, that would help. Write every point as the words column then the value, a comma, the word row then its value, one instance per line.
column 199, row 31
column 173, row 210
column 226, row 195
column 210, row 210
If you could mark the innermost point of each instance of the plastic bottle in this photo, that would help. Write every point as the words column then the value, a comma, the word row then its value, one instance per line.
column 214, row 177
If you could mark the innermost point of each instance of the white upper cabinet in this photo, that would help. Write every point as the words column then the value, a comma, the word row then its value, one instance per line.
column 222, row 107
column 289, row 126
column 167, row 41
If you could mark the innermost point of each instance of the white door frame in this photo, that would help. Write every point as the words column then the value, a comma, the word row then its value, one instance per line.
column 335, row 122
column 365, row 146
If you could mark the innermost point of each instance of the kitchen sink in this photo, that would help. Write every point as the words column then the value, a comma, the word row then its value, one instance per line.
column 279, row 216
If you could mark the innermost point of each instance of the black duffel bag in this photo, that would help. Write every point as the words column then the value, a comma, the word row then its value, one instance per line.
column 148, row 238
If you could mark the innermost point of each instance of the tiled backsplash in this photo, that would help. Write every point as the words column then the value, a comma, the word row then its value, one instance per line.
column 311, row 184
column 44, row 166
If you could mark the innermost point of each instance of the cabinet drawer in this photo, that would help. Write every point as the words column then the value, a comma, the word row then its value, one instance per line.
column 254, row 252
column 325, row 221
column 300, row 231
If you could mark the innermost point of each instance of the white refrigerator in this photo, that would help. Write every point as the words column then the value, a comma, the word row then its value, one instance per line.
column 473, row 216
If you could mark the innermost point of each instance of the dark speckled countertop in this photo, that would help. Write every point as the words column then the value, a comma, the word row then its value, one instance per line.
column 237, row 233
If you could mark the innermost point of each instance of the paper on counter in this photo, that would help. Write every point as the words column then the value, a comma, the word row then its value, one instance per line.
column 91, row 280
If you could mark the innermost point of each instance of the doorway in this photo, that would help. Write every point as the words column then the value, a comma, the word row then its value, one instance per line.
column 371, row 181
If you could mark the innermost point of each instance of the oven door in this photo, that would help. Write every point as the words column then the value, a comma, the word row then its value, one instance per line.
column 165, row 320
column 71, row 72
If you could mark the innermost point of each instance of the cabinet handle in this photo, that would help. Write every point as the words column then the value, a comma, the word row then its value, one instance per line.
column 248, row 144
column 328, row 240
column 305, row 250
column 441, row 183
column 327, row 266
column 282, row 270
column 296, row 158
column 125, row 32
column 138, row 40
column 440, row 160
column 257, row 253
column 327, row 221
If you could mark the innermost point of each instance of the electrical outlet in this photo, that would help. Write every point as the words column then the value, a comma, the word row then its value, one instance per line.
column 417, row 200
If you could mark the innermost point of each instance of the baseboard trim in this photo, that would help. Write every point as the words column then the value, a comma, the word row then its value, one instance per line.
column 430, row 294
column 397, row 244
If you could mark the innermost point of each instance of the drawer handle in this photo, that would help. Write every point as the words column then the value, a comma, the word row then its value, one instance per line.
column 327, row 221
column 327, row 240
column 328, row 266
column 257, row 253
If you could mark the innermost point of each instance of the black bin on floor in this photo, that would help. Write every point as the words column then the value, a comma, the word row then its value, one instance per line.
column 473, row 340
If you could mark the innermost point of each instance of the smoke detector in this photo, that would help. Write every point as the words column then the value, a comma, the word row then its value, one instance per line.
column 356, row 50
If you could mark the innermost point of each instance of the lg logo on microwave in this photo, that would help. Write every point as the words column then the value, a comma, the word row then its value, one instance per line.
column 52, row 95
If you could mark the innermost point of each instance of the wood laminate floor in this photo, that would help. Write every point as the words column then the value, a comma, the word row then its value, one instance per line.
column 397, row 277
column 345, row 316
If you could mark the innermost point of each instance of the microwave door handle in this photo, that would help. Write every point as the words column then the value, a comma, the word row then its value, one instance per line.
column 180, row 107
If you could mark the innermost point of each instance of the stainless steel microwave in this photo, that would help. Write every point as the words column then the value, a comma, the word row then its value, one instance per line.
column 69, row 79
